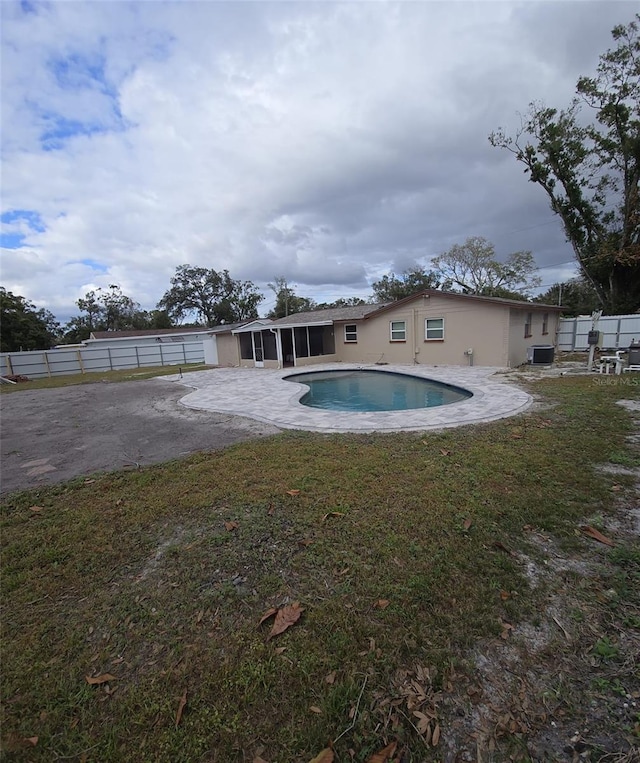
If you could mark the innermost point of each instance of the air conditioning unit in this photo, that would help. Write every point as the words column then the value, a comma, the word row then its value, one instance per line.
column 540, row 354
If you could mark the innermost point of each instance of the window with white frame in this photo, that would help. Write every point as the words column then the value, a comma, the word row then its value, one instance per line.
column 545, row 323
column 351, row 332
column 433, row 329
column 528, row 325
column 398, row 331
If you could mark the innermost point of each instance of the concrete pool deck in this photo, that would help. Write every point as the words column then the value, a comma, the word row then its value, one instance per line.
column 264, row 395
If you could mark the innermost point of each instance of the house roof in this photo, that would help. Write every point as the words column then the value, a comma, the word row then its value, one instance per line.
column 522, row 305
column 328, row 315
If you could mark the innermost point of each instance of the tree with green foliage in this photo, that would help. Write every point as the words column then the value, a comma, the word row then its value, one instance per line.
column 473, row 268
column 23, row 326
column 590, row 171
column 342, row 302
column 413, row 280
column 110, row 310
column 213, row 297
column 287, row 301
column 577, row 296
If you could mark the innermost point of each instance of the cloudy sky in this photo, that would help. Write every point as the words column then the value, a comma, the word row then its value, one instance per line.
column 329, row 143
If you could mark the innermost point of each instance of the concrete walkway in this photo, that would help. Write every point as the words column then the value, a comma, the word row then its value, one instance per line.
column 264, row 395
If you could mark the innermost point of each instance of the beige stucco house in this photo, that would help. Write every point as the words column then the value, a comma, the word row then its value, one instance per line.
column 431, row 328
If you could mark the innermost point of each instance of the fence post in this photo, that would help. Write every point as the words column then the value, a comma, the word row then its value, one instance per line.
column 46, row 362
column 78, row 353
column 137, row 357
column 109, row 354
column 9, row 366
column 161, row 355
column 184, row 354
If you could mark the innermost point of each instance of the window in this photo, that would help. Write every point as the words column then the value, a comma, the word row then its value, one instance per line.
column 528, row 324
column 545, row 323
column 433, row 329
column 351, row 333
column 398, row 331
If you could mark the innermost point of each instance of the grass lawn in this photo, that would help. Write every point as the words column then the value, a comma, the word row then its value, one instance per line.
column 92, row 377
column 132, row 601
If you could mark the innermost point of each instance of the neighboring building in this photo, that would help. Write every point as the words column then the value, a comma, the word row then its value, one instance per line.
column 431, row 327
column 140, row 337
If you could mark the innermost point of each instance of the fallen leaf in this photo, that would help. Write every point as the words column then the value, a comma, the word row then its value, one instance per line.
column 444, row 451
column 280, row 649
column 271, row 510
column 506, row 627
column 504, row 595
column 423, row 721
column 499, row 545
column 616, row 487
column 33, row 741
column 231, row 526
column 330, row 678
column 101, row 679
column 332, row 514
column 306, row 542
column 562, row 628
column 36, row 509
column 467, row 524
column 384, row 755
column 199, row 616
column 259, row 760
column 596, row 535
column 435, row 737
column 326, row 756
column 269, row 613
column 89, row 482
column 285, row 618
column 315, row 709
column 181, row 706
column 382, row 603
column 293, row 492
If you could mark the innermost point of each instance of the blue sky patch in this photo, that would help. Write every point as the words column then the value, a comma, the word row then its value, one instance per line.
column 93, row 264
column 62, row 129
column 28, row 7
column 21, row 221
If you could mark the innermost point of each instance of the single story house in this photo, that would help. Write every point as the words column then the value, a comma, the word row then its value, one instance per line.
column 431, row 327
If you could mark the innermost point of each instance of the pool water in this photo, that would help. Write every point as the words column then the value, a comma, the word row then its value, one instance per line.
column 363, row 391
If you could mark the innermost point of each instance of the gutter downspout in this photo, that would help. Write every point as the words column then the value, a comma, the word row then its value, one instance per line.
column 278, row 347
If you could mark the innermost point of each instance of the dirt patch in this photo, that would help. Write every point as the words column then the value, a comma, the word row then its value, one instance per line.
column 52, row 435
column 565, row 685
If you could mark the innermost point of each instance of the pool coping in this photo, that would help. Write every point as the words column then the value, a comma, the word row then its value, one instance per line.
column 264, row 395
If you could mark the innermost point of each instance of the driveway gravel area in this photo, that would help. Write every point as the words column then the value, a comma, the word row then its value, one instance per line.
column 53, row 435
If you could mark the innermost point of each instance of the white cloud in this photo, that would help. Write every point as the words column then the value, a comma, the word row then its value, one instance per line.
column 323, row 142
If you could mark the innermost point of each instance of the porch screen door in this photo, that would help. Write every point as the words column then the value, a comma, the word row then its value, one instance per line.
column 258, row 352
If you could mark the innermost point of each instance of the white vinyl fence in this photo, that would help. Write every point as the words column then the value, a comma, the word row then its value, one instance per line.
column 618, row 332
column 42, row 363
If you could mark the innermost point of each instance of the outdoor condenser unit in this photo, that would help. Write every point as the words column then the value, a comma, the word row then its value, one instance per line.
column 540, row 353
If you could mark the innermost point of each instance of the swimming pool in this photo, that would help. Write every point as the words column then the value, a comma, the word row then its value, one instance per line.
column 369, row 390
